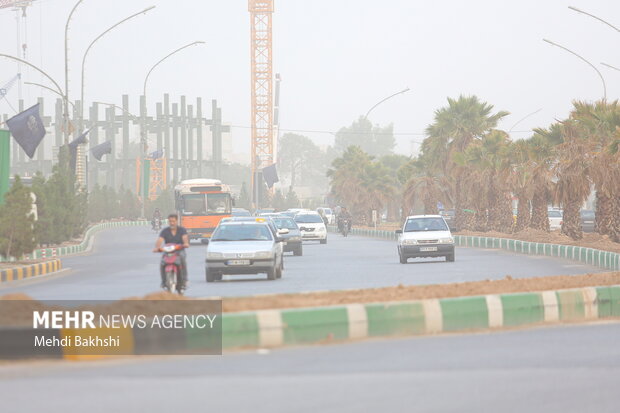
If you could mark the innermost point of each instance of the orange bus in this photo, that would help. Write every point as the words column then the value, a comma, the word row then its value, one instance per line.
column 201, row 205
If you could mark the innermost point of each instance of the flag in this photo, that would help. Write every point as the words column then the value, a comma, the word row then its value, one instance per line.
column 157, row 154
column 102, row 149
column 270, row 174
column 27, row 129
column 73, row 145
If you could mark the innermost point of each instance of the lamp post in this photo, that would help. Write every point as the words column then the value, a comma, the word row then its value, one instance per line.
column 583, row 59
column 91, row 45
column 51, row 79
column 143, row 140
column 594, row 17
column 50, row 90
column 383, row 100
column 610, row 66
column 66, row 105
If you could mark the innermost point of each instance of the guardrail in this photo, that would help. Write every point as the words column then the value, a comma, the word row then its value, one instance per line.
column 604, row 259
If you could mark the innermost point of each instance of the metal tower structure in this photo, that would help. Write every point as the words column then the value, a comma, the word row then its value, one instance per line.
column 261, row 12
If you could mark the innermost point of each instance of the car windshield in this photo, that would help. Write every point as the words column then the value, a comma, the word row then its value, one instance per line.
column 425, row 224
column 242, row 233
column 308, row 219
column 554, row 214
column 587, row 214
column 328, row 211
column 287, row 223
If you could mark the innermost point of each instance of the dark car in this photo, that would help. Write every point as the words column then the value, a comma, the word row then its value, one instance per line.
column 293, row 237
column 449, row 216
column 588, row 221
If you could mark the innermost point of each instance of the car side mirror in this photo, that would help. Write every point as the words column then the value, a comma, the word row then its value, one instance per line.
column 399, row 231
column 283, row 231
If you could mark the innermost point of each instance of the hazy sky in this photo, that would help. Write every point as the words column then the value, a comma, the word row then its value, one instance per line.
column 336, row 57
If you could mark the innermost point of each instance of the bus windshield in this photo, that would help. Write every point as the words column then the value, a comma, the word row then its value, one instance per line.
column 207, row 204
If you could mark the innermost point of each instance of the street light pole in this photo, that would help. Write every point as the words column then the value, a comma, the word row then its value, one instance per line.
column 522, row 119
column 610, row 66
column 594, row 17
column 50, row 90
column 66, row 105
column 51, row 79
column 143, row 140
column 583, row 59
column 383, row 100
column 91, row 45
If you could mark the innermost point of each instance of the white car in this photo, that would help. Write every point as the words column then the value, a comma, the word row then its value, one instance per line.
column 329, row 214
column 425, row 236
column 555, row 219
column 311, row 226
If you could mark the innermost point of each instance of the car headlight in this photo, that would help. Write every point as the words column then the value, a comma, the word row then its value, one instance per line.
column 448, row 240
column 214, row 255
column 410, row 242
column 263, row 254
column 320, row 229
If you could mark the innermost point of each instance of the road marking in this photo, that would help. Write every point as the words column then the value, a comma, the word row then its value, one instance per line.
column 550, row 303
column 358, row 321
column 433, row 316
column 495, row 310
column 271, row 331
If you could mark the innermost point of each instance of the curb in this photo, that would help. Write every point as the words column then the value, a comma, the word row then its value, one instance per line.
column 604, row 259
column 274, row 328
column 31, row 270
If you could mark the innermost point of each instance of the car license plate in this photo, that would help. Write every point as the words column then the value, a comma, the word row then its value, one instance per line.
column 426, row 249
column 238, row 262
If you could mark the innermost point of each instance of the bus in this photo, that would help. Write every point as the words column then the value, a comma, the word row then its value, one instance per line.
column 201, row 205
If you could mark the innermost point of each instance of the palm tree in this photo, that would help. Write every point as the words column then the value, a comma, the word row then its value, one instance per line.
column 454, row 128
column 542, row 160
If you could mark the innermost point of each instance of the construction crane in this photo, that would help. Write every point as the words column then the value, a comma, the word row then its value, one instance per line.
column 261, row 12
column 19, row 6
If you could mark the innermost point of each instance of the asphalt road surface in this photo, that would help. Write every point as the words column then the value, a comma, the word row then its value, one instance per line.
column 559, row 369
column 121, row 264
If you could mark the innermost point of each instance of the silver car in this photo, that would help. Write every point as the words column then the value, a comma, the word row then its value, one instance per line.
column 244, row 247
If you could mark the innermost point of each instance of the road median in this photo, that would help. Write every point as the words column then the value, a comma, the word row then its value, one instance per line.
column 26, row 271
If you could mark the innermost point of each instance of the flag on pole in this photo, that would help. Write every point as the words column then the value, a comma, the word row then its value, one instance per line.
column 5, row 163
column 270, row 174
column 73, row 146
column 102, row 149
column 27, row 129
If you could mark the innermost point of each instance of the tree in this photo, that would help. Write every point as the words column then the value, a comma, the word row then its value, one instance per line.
column 374, row 140
column 454, row 128
column 292, row 201
column 300, row 159
column 278, row 202
column 17, row 222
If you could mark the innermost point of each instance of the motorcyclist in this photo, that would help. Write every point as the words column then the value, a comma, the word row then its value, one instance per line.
column 174, row 234
column 344, row 215
column 156, row 218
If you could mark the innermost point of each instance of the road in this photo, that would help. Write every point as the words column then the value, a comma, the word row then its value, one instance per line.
column 559, row 369
column 121, row 264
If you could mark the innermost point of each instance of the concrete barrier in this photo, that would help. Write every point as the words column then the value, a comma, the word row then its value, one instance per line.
column 30, row 270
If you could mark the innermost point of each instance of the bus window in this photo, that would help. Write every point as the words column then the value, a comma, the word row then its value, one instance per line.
column 218, row 204
column 194, row 204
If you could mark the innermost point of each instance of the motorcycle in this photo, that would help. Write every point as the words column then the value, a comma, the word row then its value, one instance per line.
column 345, row 226
column 156, row 224
column 171, row 261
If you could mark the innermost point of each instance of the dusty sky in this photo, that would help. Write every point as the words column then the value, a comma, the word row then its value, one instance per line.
column 336, row 57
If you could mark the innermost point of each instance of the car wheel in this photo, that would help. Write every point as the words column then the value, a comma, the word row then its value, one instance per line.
column 450, row 258
column 271, row 273
column 280, row 270
column 298, row 251
column 324, row 241
column 211, row 276
column 403, row 260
